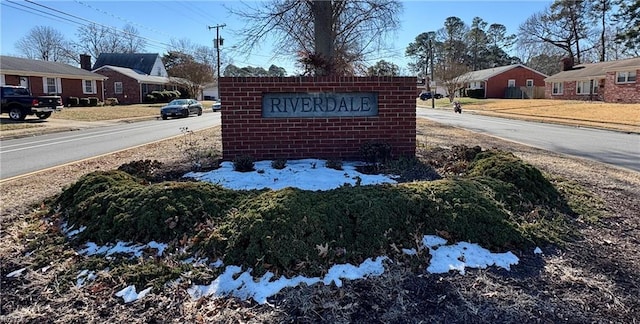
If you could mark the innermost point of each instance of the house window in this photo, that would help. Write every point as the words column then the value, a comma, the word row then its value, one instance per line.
column 626, row 77
column 50, row 85
column 511, row 83
column 475, row 85
column 117, row 87
column 557, row 88
column 89, row 86
column 529, row 82
column 582, row 87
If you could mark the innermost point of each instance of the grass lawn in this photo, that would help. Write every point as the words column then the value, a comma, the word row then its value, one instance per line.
column 114, row 112
column 598, row 114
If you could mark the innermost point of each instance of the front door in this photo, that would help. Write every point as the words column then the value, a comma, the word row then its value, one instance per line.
column 24, row 82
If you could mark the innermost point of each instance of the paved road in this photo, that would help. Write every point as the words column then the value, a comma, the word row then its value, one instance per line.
column 21, row 156
column 611, row 147
column 24, row 155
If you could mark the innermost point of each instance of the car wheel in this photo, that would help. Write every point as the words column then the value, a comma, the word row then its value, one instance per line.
column 16, row 114
column 199, row 112
column 185, row 113
column 164, row 117
column 44, row 115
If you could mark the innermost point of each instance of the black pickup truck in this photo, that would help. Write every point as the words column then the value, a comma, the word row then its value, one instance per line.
column 18, row 103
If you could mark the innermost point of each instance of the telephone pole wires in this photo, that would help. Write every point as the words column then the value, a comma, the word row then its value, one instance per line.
column 218, row 43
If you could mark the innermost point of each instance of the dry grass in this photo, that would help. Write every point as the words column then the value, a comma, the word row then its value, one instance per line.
column 114, row 112
column 7, row 127
column 624, row 117
column 107, row 112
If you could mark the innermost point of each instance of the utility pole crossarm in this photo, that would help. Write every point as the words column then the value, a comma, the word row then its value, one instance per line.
column 218, row 43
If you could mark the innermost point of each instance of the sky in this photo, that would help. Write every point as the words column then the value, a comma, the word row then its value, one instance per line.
column 161, row 21
column 307, row 174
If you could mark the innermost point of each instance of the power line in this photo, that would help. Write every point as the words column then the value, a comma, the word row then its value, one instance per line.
column 121, row 19
column 84, row 23
column 37, row 12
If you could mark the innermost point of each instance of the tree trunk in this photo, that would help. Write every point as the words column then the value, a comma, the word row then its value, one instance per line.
column 322, row 18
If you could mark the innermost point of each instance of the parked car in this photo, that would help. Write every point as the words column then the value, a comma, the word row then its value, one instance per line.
column 427, row 95
column 181, row 108
column 216, row 106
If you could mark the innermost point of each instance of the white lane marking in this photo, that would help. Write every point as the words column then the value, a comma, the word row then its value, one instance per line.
column 69, row 139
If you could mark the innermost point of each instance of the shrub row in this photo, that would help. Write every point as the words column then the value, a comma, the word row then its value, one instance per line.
column 83, row 102
column 162, row 96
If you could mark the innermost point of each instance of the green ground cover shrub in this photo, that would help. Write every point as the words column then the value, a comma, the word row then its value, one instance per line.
column 501, row 204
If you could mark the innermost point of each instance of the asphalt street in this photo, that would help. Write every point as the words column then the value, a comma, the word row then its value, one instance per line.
column 611, row 147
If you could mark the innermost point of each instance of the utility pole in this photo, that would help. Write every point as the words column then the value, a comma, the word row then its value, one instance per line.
column 218, row 43
column 431, row 80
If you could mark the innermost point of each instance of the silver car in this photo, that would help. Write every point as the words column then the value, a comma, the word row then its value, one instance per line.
column 181, row 108
column 216, row 106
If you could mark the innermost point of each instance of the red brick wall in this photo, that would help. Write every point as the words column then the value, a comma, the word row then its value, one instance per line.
column 70, row 87
column 609, row 91
column 130, row 87
column 624, row 92
column 496, row 85
column 569, row 92
column 12, row 80
column 246, row 132
column 73, row 88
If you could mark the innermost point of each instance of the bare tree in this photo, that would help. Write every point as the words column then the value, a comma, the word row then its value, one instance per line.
column 44, row 43
column 565, row 24
column 131, row 39
column 330, row 37
column 541, row 29
column 94, row 39
column 452, row 76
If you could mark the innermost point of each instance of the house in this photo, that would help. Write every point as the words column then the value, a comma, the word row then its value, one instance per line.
column 510, row 81
column 143, row 63
column 130, row 86
column 51, row 78
column 210, row 91
column 133, row 76
column 613, row 81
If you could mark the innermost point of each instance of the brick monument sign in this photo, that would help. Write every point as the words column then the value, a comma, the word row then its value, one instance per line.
column 316, row 117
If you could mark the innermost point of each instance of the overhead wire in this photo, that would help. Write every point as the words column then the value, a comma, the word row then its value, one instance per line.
column 132, row 23
column 82, row 21
column 37, row 12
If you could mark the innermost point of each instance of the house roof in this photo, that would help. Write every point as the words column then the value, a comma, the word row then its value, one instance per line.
column 486, row 74
column 140, row 77
column 598, row 70
column 29, row 67
column 142, row 62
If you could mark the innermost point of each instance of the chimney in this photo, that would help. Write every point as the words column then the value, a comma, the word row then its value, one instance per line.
column 567, row 63
column 85, row 62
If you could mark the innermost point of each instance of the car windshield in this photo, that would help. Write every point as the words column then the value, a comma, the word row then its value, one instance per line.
column 178, row 102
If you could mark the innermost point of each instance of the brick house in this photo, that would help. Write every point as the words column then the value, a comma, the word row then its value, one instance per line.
column 132, row 76
column 514, row 81
column 129, row 86
column 51, row 78
column 143, row 63
column 613, row 81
